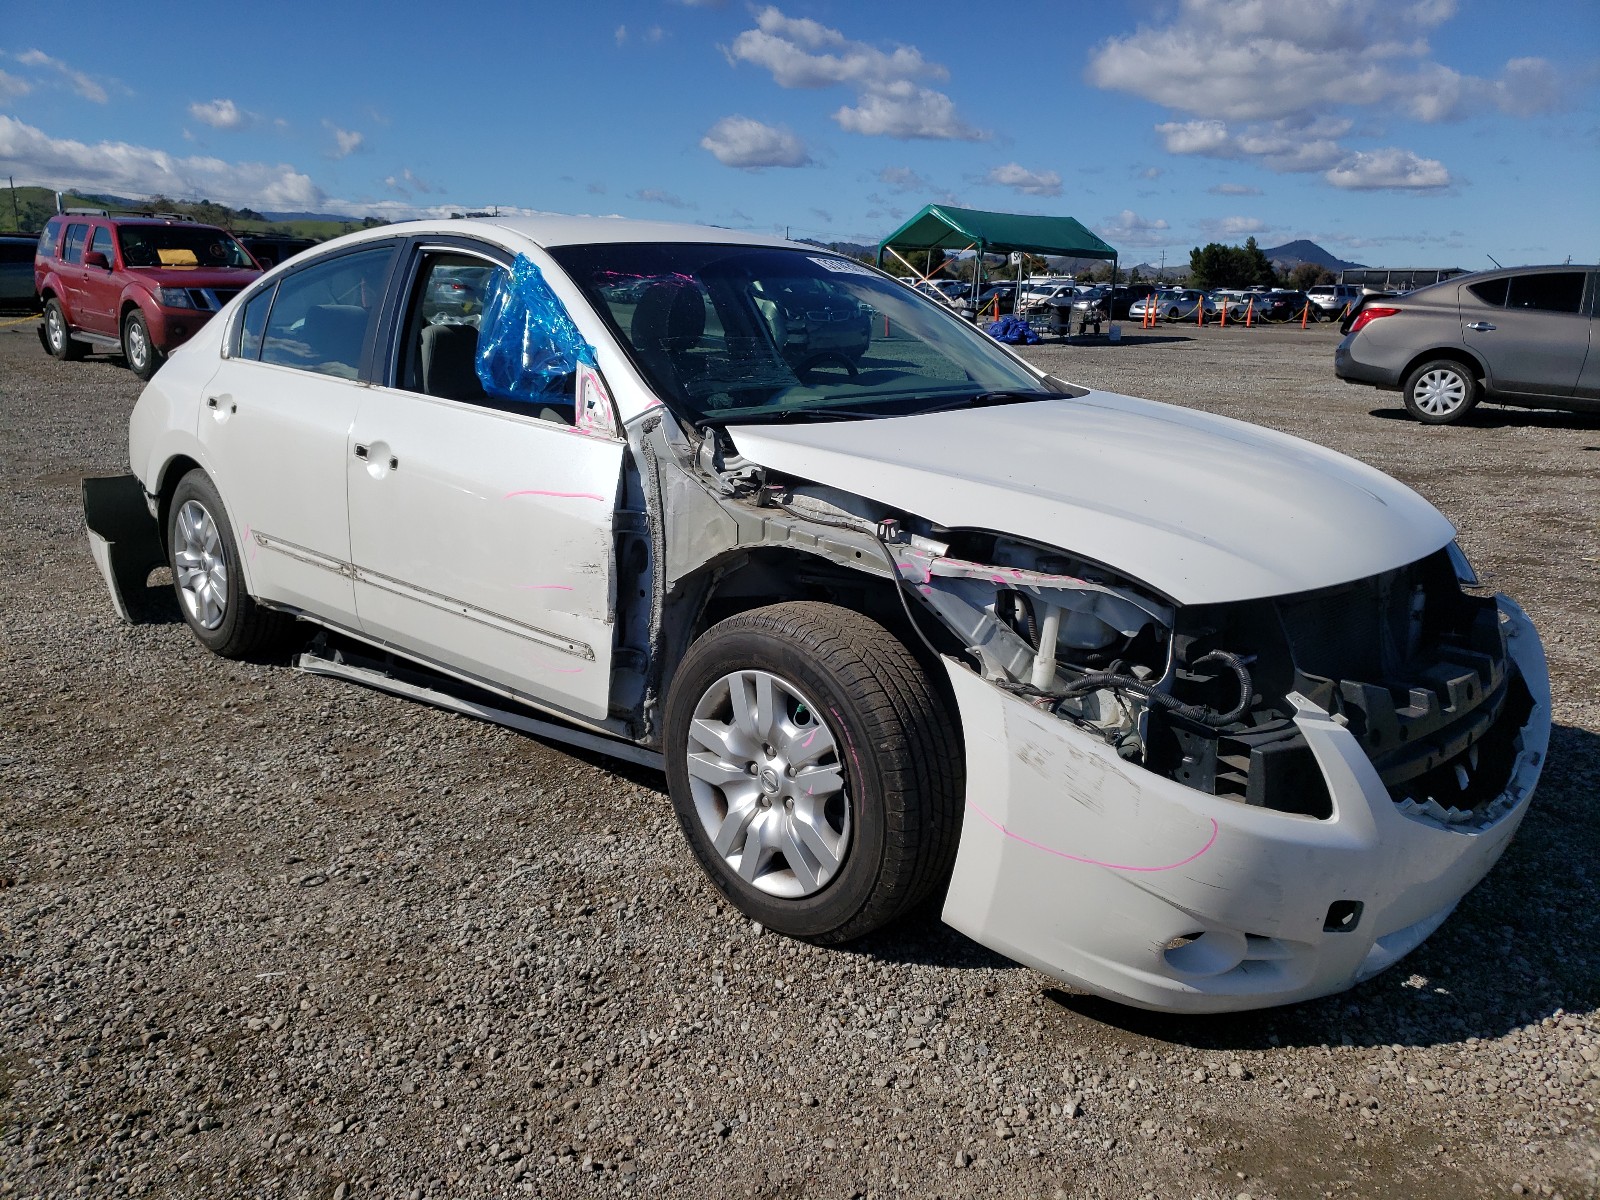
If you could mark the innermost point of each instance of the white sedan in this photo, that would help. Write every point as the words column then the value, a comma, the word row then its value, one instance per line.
column 1178, row 710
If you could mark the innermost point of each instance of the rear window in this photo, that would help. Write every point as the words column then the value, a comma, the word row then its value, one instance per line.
column 50, row 236
column 1555, row 291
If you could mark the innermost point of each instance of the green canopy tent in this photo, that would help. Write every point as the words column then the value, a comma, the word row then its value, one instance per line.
column 943, row 227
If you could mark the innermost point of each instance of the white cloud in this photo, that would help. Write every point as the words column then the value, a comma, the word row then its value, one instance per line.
column 1233, row 227
column 345, row 141
column 126, row 169
column 1256, row 60
column 621, row 35
column 891, row 97
column 657, row 196
column 1128, row 228
column 744, row 142
column 1297, row 144
column 11, row 86
column 408, row 182
column 1020, row 179
column 221, row 114
column 903, row 179
column 84, row 85
column 1389, row 168
column 1233, row 189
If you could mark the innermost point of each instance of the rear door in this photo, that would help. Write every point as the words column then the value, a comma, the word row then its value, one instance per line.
column 71, row 270
column 481, row 526
column 277, row 421
column 1531, row 330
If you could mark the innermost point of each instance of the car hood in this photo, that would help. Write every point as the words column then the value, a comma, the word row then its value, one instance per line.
column 1203, row 508
column 195, row 277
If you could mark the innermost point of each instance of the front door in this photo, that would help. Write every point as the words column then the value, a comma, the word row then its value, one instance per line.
column 101, row 289
column 481, row 525
column 276, row 428
column 1536, row 343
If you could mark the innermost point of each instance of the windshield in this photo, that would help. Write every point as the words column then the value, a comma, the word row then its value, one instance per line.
column 746, row 332
column 181, row 246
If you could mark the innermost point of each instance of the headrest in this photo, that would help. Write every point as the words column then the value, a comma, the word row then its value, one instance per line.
column 670, row 316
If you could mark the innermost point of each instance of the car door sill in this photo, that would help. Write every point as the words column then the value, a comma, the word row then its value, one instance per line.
column 428, row 687
column 93, row 339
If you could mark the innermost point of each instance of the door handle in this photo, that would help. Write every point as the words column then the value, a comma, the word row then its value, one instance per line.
column 361, row 452
column 1480, row 327
column 364, row 453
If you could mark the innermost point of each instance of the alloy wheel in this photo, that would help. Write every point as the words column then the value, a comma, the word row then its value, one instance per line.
column 768, row 784
column 202, row 566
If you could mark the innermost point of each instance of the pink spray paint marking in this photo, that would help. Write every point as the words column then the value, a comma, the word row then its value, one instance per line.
column 808, row 740
column 543, row 587
column 544, row 666
column 1095, row 862
column 251, row 538
column 557, row 495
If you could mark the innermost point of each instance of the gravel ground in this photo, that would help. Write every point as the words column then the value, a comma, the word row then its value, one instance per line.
column 265, row 934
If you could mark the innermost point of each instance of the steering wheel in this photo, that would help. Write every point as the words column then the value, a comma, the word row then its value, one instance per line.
column 827, row 358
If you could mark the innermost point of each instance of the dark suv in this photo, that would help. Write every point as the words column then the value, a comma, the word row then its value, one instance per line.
column 142, row 284
column 1524, row 336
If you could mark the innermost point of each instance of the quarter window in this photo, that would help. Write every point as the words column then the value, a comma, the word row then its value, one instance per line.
column 1552, row 291
column 253, row 323
column 72, row 252
column 1491, row 291
column 323, row 314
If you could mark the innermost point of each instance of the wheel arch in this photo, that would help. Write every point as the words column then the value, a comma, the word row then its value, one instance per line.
column 1458, row 354
column 172, row 471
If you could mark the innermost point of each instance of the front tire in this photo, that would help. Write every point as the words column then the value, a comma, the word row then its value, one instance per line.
column 143, row 358
column 57, row 340
column 205, row 574
column 814, row 769
column 1441, row 392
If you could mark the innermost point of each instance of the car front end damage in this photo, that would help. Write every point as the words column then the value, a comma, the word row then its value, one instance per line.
column 1208, row 807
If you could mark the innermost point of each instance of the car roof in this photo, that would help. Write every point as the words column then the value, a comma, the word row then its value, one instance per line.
column 554, row 230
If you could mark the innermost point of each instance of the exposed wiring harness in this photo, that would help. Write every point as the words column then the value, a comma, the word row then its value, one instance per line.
column 1117, row 682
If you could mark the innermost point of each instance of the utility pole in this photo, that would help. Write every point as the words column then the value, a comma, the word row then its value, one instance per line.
column 16, row 221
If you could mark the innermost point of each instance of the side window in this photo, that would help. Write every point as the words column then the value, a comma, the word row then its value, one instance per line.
column 51, row 236
column 102, row 243
column 1553, row 291
column 323, row 314
column 253, row 323
column 1491, row 291
column 439, row 353
column 72, row 251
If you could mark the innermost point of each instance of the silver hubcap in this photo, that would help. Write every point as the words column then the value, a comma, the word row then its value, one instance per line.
column 1439, row 393
column 768, row 785
column 53, row 328
column 201, row 567
column 138, row 348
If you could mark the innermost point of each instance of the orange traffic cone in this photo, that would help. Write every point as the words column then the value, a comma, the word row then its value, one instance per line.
column 1250, row 313
column 1306, row 315
column 1223, row 314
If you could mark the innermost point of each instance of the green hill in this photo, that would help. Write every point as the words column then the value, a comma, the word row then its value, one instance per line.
column 26, row 209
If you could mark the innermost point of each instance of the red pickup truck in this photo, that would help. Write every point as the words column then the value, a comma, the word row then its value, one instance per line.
column 143, row 285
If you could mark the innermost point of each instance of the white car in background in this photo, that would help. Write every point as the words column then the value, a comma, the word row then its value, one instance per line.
column 1180, row 710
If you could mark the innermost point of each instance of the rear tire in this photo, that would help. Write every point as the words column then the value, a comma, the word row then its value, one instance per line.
column 808, row 730
column 204, row 558
column 1441, row 392
column 144, row 360
column 57, row 339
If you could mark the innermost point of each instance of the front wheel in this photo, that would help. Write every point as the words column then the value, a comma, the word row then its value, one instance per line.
column 814, row 769
column 143, row 358
column 1440, row 392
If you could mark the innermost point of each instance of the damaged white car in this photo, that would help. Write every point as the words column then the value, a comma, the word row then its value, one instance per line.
column 1178, row 710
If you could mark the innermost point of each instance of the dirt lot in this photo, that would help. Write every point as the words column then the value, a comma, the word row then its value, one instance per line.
column 265, row 934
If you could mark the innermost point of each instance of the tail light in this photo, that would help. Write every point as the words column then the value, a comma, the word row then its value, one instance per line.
column 1368, row 315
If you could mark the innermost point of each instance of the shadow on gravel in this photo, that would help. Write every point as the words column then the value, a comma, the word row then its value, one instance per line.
column 1506, row 418
column 1522, row 946
column 1128, row 339
column 921, row 939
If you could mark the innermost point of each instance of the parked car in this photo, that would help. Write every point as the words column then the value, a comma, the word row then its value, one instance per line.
column 144, row 285
column 1335, row 299
column 270, row 249
column 814, row 320
column 1189, row 713
column 1178, row 304
column 1526, row 336
column 16, row 272
column 1288, row 306
column 1040, row 297
column 996, row 299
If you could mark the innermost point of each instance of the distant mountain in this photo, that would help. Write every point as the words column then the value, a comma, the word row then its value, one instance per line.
column 1292, row 254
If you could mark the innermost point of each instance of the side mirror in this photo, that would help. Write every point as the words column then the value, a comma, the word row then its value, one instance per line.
column 97, row 259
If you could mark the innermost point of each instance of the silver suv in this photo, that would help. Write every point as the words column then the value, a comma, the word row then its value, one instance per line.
column 1334, row 299
column 1519, row 336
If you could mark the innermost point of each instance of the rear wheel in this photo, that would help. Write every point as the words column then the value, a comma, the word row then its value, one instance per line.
column 1441, row 392
column 56, row 338
column 814, row 770
column 205, row 574
column 143, row 358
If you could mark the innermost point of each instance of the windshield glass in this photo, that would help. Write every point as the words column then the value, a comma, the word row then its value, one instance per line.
column 750, row 332
column 181, row 246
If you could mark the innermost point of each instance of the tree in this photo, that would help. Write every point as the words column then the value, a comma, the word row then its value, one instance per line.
column 1215, row 265
column 1308, row 275
column 1257, row 265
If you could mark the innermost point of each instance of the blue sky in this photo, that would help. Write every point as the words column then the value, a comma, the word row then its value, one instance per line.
column 1400, row 132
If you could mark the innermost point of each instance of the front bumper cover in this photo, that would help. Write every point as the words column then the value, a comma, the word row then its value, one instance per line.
column 1125, row 883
